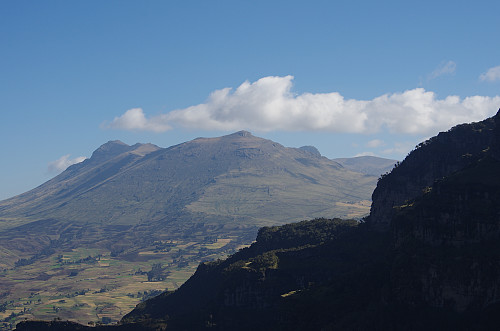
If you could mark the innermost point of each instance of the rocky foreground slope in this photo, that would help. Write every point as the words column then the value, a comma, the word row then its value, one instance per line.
column 428, row 257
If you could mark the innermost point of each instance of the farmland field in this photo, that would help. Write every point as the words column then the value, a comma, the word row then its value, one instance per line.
column 97, row 285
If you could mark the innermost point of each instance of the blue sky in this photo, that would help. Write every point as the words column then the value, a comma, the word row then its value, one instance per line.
column 349, row 77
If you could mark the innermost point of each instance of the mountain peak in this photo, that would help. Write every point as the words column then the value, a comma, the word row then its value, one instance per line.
column 311, row 149
column 113, row 144
column 110, row 149
column 242, row 133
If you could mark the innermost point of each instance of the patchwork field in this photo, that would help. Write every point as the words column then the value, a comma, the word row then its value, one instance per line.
column 98, row 286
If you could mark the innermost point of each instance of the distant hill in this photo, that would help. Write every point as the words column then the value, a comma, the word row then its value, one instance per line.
column 370, row 165
column 99, row 227
column 427, row 257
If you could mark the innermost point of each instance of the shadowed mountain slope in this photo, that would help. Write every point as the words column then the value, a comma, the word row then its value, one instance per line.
column 438, row 157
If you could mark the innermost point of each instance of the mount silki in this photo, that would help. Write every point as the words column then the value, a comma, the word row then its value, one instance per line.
column 238, row 176
column 99, row 227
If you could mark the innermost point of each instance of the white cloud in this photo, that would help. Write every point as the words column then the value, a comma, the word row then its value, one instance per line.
column 269, row 105
column 365, row 154
column 445, row 68
column 134, row 119
column 63, row 162
column 375, row 143
column 493, row 74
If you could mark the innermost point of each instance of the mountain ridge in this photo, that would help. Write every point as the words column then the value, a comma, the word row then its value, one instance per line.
column 116, row 158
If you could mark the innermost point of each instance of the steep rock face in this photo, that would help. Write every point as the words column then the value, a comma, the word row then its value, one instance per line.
column 447, row 242
column 433, row 159
column 443, row 205
column 458, row 210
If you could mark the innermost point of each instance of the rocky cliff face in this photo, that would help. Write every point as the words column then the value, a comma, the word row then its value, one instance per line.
column 447, row 239
column 433, row 159
column 458, row 210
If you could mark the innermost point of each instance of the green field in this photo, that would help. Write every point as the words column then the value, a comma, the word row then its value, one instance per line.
column 89, row 285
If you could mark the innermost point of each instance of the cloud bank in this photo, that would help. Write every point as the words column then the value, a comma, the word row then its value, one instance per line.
column 493, row 74
column 269, row 105
column 62, row 163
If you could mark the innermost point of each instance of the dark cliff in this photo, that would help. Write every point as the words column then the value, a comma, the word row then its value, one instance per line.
column 447, row 241
column 433, row 159
column 280, row 282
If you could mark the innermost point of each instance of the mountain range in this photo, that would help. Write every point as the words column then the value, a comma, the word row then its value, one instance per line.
column 238, row 176
column 427, row 257
column 129, row 208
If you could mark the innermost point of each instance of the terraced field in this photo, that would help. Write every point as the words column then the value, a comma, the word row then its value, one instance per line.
column 95, row 285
